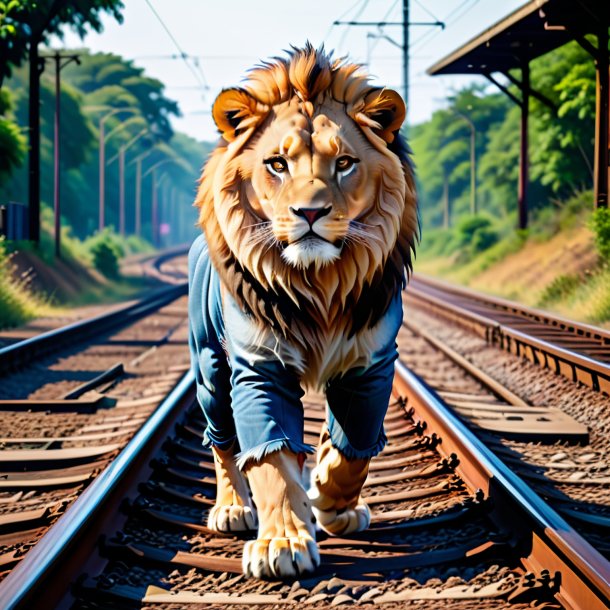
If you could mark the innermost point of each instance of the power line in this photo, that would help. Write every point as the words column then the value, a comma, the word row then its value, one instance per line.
column 197, row 73
column 332, row 25
column 371, row 48
column 426, row 10
column 344, row 35
column 431, row 35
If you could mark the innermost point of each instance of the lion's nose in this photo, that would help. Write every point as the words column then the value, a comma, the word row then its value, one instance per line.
column 311, row 214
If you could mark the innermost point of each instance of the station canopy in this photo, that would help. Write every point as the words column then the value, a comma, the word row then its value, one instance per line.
column 532, row 30
column 527, row 33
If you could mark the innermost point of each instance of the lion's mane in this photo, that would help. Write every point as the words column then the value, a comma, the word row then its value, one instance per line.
column 311, row 308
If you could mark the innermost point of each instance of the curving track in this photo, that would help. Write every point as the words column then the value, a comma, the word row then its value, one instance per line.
column 575, row 350
column 480, row 500
column 72, row 397
column 452, row 525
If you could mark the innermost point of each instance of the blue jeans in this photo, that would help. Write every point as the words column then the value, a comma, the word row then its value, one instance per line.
column 250, row 398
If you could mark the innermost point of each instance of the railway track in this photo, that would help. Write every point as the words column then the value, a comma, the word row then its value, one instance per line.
column 70, row 400
column 575, row 350
column 511, row 513
column 453, row 527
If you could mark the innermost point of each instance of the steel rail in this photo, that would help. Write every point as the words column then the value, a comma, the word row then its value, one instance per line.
column 36, row 582
column 574, row 365
column 585, row 573
column 579, row 328
column 23, row 352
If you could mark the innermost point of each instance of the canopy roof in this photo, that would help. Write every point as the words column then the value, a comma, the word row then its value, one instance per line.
column 532, row 30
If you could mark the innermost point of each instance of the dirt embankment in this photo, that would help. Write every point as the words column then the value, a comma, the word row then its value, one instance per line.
column 60, row 282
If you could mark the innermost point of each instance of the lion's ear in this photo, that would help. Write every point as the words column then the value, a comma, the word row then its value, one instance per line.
column 384, row 112
column 236, row 110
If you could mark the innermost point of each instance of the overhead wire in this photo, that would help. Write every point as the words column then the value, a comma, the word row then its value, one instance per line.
column 195, row 69
column 371, row 47
column 451, row 18
column 332, row 25
column 356, row 17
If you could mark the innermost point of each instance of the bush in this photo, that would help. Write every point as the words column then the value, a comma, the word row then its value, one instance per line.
column 18, row 303
column 473, row 234
column 600, row 224
column 137, row 245
column 106, row 251
column 559, row 289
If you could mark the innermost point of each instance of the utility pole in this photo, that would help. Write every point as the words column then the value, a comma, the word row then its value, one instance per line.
column 36, row 69
column 154, row 210
column 405, row 50
column 138, row 190
column 405, row 24
column 61, row 61
column 138, row 210
column 473, row 162
column 103, row 138
column 121, row 157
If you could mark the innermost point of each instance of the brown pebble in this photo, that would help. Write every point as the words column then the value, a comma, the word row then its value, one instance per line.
column 334, row 585
column 342, row 599
column 370, row 594
column 316, row 598
column 321, row 586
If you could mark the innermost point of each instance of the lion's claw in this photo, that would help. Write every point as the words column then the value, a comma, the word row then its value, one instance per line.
column 232, row 518
column 347, row 521
column 280, row 557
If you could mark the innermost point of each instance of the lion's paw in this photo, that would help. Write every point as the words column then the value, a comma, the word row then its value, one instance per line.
column 280, row 557
column 348, row 521
column 232, row 518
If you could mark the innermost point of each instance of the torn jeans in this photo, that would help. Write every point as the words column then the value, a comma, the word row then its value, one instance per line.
column 253, row 402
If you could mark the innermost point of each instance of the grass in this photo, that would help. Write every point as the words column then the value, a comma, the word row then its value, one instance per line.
column 19, row 302
column 557, row 264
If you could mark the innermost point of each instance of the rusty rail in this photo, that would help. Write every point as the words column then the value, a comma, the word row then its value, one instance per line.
column 20, row 353
column 555, row 546
column 529, row 333
column 40, row 575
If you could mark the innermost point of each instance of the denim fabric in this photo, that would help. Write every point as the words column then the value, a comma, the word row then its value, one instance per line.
column 247, row 393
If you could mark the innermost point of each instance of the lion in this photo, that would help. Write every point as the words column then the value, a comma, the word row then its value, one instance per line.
column 309, row 219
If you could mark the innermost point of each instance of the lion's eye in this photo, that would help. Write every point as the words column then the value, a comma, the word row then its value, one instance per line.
column 344, row 164
column 276, row 165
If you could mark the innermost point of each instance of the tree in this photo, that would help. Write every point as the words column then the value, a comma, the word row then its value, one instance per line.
column 12, row 141
column 109, row 80
column 24, row 24
column 563, row 156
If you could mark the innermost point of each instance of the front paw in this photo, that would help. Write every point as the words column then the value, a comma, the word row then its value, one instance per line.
column 232, row 518
column 288, row 557
column 347, row 521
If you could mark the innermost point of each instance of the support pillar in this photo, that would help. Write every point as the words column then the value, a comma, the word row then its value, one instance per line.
column 523, row 150
column 602, row 91
column 36, row 68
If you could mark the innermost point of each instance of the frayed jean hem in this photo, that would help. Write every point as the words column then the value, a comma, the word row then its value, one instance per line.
column 339, row 441
column 209, row 442
column 256, row 454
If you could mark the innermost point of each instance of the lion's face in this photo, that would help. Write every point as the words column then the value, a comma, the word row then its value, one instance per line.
column 308, row 201
column 314, row 179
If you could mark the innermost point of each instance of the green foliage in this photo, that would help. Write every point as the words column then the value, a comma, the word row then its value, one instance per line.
column 27, row 22
column 13, row 144
column 600, row 223
column 106, row 251
column 472, row 235
column 562, row 287
column 18, row 303
column 108, row 80
column 137, row 245
column 560, row 145
column 101, row 84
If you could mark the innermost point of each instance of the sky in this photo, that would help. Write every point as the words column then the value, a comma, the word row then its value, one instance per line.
column 223, row 39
